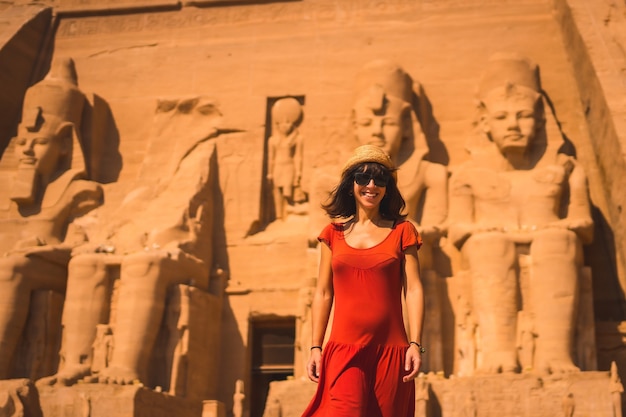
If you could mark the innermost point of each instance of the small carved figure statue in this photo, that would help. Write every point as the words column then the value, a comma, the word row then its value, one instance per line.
column 102, row 347
column 521, row 193
column 525, row 341
column 617, row 389
column 50, row 189
column 470, row 409
column 285, row 153
column 238, row 398
column 422, row 396
column 466, row 338
column 304, row 329
column 569, row 405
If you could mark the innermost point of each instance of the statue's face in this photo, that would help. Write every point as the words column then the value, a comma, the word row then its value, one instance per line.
column 383, row 128
column 41, row 150
column 511, row 119
column 284, row 126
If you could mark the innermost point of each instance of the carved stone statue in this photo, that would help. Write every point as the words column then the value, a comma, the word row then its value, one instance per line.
column 422, row 396
column 159, row 237
column 470, row 406
column 102, row 347
column 285, row 154
column 238, row 398
column 617, row 390
column 48, row 191
column 385, row 114
column 465, row 338
column 568, row 405
column 521, row 194
column 304, row 319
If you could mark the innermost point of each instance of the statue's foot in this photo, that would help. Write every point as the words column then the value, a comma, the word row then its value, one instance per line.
column 498, row 364
column 557, row 366
column 69, row 375
column 118, row 375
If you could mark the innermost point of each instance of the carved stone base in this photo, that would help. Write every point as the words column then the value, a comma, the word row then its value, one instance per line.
column 522, row 395
column 515, row 395
column 103, row 400
column 19, row 398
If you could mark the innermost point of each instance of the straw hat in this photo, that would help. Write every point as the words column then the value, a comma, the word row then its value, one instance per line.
column 369, row 153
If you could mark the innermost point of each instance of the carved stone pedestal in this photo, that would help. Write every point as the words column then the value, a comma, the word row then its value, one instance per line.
column 578, row 394
column 19, row 398
column 104, row 400
column 522, row 395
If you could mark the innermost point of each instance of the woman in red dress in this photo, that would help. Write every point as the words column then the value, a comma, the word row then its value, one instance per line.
column 368, row 262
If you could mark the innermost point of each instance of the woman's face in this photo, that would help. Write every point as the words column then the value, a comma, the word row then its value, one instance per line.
column 369, row 188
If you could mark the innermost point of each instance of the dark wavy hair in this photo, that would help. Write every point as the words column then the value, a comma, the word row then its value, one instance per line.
column 341, row 203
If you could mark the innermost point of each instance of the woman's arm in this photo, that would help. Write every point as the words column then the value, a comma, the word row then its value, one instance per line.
column 320, row 309
column 414, row 294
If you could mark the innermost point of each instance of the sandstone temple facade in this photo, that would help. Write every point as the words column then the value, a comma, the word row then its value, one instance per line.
column 163, row 162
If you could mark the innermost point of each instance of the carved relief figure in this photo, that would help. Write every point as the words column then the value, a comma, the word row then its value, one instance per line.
column 525, row 341
column 49, row 190
column 10, row 404
column 238, row 398
column 466, row 338
column 617, row 389
column 422, row 396
column 305, row 300
column 521, row 194
column 102, row 347
column 285, row 154
column 384, row 115
column 169, row 243
column 568, row 405
column 470, row 406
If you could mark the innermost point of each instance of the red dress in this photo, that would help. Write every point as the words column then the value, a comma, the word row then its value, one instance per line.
column 363, row 362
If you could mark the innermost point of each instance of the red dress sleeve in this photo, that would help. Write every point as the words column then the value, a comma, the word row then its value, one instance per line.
column 327, row 234
column 410, row 235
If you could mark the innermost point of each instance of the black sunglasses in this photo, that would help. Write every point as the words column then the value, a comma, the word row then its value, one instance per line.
column 363, row 178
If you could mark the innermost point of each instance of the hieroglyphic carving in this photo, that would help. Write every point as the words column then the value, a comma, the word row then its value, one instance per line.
column 191, row 16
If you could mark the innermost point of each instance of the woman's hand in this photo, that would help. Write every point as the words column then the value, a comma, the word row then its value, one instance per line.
column 412, row 362
column 314, row 365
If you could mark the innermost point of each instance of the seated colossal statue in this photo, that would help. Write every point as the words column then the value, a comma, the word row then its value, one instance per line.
column 48, row 188
column 158, row 238
column 388, row 112
column 520, row 213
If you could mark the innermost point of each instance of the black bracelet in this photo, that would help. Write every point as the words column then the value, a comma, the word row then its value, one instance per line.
column 419, row 346
column 316, row 347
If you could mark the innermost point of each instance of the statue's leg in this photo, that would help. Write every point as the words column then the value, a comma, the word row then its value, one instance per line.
column 493, row 270
column 279, row 210
column 556, row 258
column 145, row 279
column 19, row 276
column 86, row 305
